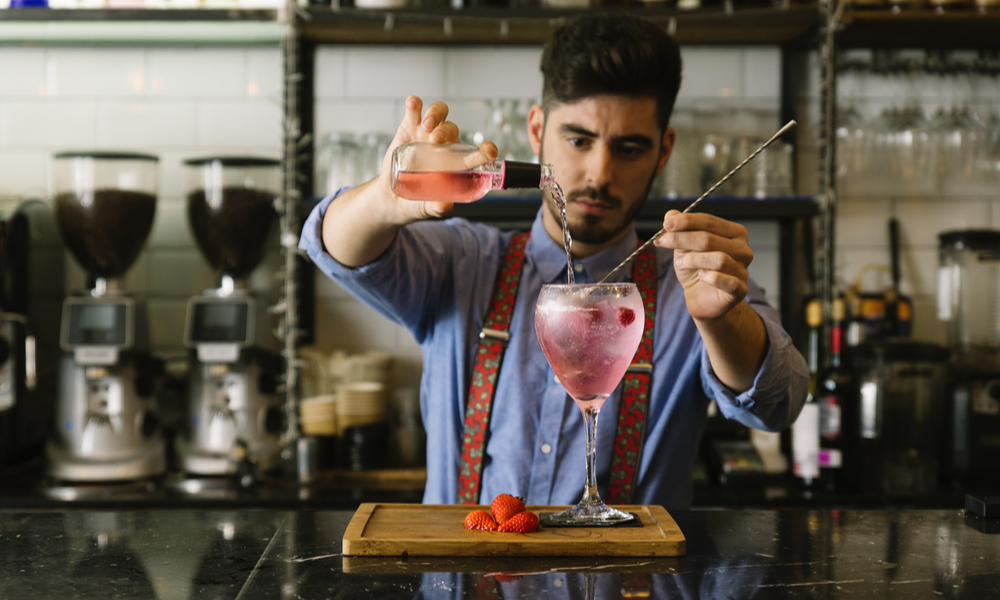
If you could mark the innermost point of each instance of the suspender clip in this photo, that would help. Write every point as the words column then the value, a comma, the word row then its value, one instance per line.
column 641, row 367
column 494, row 333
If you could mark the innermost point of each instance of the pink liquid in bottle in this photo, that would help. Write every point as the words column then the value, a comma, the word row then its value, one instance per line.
column 444, row 186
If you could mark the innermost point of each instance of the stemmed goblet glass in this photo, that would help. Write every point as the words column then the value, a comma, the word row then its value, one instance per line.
column 589, row 334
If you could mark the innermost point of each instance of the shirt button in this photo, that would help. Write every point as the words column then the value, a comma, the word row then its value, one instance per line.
column 546, row 448
column 555, row 378
column 578, row 268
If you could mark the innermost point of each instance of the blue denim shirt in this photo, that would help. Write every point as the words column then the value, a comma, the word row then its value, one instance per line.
column 436, row 280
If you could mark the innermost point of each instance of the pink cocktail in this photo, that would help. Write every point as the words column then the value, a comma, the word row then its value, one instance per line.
column 589, row 334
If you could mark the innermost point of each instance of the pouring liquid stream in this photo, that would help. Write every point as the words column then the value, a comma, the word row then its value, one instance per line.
column 560, row 198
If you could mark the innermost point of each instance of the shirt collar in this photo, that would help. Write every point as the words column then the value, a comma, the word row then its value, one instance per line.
column 549, row 256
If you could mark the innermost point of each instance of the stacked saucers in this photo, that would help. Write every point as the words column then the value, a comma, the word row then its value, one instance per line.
column 318, row 415
column 361, row 403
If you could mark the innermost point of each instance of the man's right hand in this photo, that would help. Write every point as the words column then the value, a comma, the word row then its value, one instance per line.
column 361, row 223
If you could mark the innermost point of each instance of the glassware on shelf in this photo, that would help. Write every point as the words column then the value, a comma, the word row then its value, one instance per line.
column 772, row 172
column 372, row 148
column 337, row 162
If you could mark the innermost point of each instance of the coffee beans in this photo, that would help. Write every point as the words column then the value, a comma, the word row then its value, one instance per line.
column 105, row 233
column 232, row 231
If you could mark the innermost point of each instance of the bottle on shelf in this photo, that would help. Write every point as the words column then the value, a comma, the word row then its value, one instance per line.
column 832, row 394
column 459, row 173
column 806, row 428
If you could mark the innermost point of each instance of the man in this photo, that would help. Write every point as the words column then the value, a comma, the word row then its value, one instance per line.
column 610, row 86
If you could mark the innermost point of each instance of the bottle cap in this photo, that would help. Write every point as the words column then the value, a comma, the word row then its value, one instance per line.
column 839, row 309
column 814, row 313
column 521, row 175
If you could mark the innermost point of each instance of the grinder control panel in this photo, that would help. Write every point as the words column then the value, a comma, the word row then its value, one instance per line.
column 96, row 330
column 219, row 327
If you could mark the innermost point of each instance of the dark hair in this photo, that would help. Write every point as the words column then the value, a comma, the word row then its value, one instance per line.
column 620, row 55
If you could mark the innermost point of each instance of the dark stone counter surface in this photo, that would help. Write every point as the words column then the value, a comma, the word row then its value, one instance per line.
column 249, row 554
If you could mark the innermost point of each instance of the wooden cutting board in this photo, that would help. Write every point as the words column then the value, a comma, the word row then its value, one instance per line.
column 439, row 530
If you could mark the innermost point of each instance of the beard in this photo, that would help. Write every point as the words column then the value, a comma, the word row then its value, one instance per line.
column 595, row 229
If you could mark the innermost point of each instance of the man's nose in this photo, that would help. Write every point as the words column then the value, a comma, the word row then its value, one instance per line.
column 600, row 169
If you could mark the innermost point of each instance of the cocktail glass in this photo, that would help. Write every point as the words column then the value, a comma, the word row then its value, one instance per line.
column 589, row 334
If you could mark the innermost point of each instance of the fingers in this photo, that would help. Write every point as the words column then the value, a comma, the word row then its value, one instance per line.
column 733, row 286
column 676, row 221
column 435, row 115
column 426, row 126
column 699, row 232
column 444, row 133
column 487, row 154
column 414, row 106
column 719, row 262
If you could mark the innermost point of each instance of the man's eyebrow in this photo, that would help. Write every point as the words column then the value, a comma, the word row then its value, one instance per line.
column 638, row 138
column 570, row 128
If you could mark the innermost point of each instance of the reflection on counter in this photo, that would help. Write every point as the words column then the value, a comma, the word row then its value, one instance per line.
column 173, row 554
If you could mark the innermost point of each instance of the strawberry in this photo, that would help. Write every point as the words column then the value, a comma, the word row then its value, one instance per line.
column 625, row 316
column 522, row 522
column 481, row 520
column 505, row 577
column 506, row 506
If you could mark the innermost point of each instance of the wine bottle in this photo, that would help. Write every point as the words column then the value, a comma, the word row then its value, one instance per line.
column 805, row 429
column 459, row 173
column 832, row 393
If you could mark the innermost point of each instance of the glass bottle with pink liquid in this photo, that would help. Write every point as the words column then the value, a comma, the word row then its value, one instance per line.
column 459, row 173
column 589, row 333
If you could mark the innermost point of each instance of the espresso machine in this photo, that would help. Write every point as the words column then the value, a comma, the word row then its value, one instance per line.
column 968, row 300
column 234, row 408
column 106, row 424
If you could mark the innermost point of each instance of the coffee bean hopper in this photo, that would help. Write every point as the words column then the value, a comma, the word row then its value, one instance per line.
column 106, row 426
column 235, row 411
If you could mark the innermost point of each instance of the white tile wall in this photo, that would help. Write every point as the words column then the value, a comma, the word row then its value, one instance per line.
column 493, row 73
column 145, row 125
column 245, row 122
column 169, row 74
column 95, row 73
column 62, row 124
column 388, row 73
column 22, row 72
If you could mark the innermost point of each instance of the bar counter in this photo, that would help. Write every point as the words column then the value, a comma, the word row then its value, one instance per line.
column 249, row 554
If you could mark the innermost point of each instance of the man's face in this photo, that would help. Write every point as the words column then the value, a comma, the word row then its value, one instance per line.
column 605, row 150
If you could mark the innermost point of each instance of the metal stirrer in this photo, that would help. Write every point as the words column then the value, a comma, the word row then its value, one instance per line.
column 781, row 131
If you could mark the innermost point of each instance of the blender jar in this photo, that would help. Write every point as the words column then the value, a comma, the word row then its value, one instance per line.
column 104, row 205
column 230, row 206
column 896, row 428
column 968, row 295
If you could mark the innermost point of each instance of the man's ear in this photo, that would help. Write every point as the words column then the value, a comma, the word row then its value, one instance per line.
column 536, row 127
column 666, row 148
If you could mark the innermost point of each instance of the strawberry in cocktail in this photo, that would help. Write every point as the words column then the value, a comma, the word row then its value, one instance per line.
column 589, row 334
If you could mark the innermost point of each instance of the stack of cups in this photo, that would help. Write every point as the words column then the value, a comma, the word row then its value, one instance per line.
column 318, row 415
column 361, row 425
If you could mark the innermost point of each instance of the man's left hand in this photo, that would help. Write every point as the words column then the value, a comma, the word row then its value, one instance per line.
column 711, row 256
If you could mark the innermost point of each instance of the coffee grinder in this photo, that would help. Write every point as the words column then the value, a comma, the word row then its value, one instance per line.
column 106, row 427
column 968, row 300
column 235, row 411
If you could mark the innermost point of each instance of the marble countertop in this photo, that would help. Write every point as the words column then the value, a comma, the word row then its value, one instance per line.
column 247, row 554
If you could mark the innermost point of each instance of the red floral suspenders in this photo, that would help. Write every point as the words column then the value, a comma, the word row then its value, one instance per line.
column 489, row 356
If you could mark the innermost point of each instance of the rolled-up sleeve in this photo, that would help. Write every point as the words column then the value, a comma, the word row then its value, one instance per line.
column 779, row 389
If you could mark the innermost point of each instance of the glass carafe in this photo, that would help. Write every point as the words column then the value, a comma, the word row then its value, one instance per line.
column 968, row 294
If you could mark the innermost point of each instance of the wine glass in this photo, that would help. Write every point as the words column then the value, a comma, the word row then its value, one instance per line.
column 589, row 334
